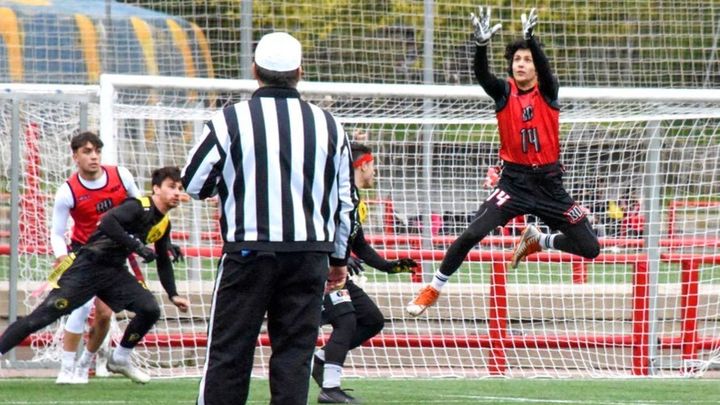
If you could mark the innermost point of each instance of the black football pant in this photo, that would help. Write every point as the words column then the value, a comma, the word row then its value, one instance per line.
column 80, row 282
column 524, row 190
column 352, row 326
column 289, row 287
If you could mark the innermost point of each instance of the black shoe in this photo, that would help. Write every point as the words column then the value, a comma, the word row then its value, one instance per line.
column 318, row 368
column 335, row 396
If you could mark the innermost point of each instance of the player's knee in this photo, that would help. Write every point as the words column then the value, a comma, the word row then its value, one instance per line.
column 591, row 249
column 101, row 323
column 148, row 310
column 153, row 313
column 376, row 322
column 103, row 313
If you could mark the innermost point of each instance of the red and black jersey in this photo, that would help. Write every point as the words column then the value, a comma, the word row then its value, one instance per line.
column 90, row 204
column 529, row 128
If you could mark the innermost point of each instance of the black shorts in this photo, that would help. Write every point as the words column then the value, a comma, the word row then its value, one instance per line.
column 538, row 191
column 341, row 302
column 86, row 278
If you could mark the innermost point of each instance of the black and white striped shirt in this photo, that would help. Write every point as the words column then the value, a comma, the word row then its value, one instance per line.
column 281, row 167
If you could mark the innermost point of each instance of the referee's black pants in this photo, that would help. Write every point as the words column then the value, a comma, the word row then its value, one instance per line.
column 289, row 286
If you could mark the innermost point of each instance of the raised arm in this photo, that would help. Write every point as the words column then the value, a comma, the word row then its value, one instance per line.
column 547, row 83
column 483, row 33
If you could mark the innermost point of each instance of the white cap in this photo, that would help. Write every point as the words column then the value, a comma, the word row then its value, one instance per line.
column 279, row 52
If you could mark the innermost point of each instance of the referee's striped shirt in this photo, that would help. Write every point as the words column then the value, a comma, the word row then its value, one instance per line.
column 281, row 167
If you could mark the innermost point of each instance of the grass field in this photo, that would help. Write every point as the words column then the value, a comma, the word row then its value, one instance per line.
column 385, row 391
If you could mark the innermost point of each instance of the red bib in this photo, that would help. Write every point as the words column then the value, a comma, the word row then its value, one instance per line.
column 89, row 204
column 529, row 129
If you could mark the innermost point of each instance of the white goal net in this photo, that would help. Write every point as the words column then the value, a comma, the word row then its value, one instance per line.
column 634, row 158
column 645, row 163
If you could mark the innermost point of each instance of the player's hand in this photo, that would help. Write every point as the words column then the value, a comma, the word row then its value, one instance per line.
column 481, row 26
column 405, row 265
column 529, row 23
column 337, row 275
column 183, row 304
column 354, row 266
column 176, row 253
column 492, row 177
column 145, row 252
column 360, row 136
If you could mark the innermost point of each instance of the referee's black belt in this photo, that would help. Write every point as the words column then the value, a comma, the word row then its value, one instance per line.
column 550, row 167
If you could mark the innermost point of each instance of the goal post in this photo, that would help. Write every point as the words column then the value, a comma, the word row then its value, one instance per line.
column 644, row 162
column 625, row 147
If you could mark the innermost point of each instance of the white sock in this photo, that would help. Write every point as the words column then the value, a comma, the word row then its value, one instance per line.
column 122, row 354
column 546, row 241
column 439, row 280
column 68, row 359
column 320, row 354
column 331, row 375
column 86, row 358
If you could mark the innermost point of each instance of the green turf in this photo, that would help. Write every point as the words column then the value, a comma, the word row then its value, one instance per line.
column 385, row 391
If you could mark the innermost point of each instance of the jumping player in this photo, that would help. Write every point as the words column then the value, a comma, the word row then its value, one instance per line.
column 527, row 111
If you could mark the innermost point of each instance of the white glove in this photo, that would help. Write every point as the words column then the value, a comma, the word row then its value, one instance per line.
column 481, row 24
column 529, row 23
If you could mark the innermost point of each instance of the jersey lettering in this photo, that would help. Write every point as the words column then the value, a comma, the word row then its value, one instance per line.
column 529, row 137
column 574, row 214
column 158, row 230
column 103, row 205
column 527, row 113
column 501, row 197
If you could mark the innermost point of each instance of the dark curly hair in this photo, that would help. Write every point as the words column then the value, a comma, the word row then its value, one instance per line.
column 513, row 47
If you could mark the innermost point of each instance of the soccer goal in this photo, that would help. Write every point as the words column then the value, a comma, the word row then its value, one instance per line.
column 643, row 162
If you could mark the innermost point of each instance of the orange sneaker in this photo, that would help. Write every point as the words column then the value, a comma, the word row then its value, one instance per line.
column 529, row 244
column 427, row 297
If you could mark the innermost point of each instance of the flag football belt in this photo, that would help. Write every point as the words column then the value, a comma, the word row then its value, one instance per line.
column 60, row 269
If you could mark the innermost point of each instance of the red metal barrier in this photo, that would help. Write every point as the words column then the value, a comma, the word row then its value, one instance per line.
column 498, row 339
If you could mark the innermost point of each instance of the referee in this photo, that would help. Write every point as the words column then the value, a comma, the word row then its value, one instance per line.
column 281, row 168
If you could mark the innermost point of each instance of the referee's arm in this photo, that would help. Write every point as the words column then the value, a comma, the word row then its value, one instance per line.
column 345, row 206
column 202, row 172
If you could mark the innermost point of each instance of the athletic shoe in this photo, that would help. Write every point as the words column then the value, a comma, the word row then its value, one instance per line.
column 65, row 376
column 529, row 244
column 318, row 368
column 80, row 375
column 101, row 360
column 426, row 297
column 128, row 370
column 335, row 395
